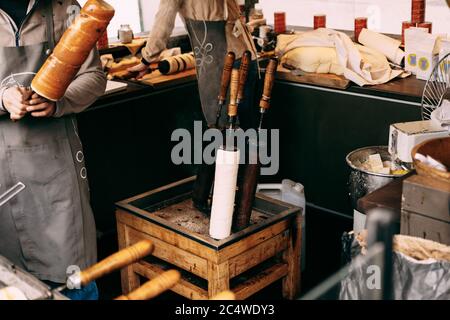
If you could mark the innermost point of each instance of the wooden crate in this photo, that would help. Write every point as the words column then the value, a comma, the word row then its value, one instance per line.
column 245, row 262
column 425, row 209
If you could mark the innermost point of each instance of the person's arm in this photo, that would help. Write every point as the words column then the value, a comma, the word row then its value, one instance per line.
column 162, row 29
column 88, row 85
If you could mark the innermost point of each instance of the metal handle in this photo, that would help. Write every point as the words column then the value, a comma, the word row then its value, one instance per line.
column 11, row 193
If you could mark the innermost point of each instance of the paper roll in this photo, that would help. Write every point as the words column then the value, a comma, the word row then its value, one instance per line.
column 384, row 44
column 227, row 164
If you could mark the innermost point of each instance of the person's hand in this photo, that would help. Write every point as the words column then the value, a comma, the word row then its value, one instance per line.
column 141, row 69
column 14, row 101
column 40, row 107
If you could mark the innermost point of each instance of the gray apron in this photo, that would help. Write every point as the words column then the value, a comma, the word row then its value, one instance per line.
column 49, row 226
column 209, row 43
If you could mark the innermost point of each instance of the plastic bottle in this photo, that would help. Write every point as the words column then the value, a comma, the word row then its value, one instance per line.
column 290, row 192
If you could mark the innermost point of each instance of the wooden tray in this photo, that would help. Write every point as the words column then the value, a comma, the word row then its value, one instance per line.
column 319, row 79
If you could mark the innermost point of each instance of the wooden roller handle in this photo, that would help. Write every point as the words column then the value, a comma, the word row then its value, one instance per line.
column 226, row 75
column 243, row 73
column 117, row 261
column 154, row 287
column 268, row 83
column 234, row 83
column 225, row 295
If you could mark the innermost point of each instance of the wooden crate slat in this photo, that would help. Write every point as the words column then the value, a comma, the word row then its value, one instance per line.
column 166, row 235
column 259, row 253
column 173, row 255
column 252, row 240
column 259, row 282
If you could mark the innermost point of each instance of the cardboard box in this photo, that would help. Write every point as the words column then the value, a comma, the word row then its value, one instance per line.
column 411, row 47
column 404, row 136
column 426, row 209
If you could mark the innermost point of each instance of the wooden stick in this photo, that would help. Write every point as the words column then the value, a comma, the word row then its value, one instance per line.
column 268, row 83
column 232, row 107
column 154, row 287
column 226, row 76
column 117, row 261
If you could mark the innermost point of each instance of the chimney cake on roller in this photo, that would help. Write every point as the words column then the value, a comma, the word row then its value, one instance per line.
column 61, row 67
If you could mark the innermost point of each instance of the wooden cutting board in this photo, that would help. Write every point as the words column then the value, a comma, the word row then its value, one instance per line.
column 158, row 80
column 319, row 79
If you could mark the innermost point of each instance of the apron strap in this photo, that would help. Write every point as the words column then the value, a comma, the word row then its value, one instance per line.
column 225, row 10
column 48, row 10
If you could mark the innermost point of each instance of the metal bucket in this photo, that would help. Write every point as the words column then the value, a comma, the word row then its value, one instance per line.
column 362, row 182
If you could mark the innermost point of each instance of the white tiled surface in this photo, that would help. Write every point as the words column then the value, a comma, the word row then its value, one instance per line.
column 127, row 12
column 384, row 15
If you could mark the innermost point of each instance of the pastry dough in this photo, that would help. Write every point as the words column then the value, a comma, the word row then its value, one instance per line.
column 417, row 248
column 314, row 59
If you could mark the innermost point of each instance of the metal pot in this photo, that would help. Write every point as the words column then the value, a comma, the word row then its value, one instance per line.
column 362, row 182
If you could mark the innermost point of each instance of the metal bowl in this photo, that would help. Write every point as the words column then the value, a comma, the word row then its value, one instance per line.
column 361, row 181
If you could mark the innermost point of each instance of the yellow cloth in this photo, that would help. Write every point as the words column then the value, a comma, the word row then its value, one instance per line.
column 326, row 50
column 133, row 47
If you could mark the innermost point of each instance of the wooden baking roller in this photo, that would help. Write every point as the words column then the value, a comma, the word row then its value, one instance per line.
column 269, row 79
column 225, row 295
column 177, row 63
column 114, row 262
column 243, row 74
column 61, row 67
column 234, row 83
column 154, row 287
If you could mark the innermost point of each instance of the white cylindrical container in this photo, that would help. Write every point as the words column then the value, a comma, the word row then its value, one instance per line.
column 125, row 34
column 264, row 31
column 227, row 165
